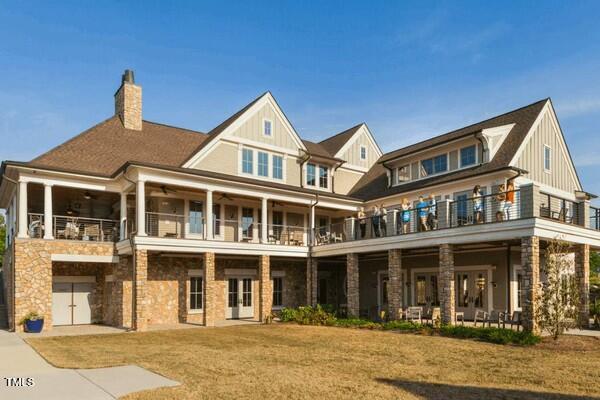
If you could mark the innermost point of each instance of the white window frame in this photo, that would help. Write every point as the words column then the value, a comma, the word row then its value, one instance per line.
column 326, row 168
column 264, row 122
column 316, row 175
column 258, row 164
column 273, row 166
column 363, row 147
column 409, row 169
column 242, row 161
column 316, row 186
column 195, row 273
column 280, row 306
column 255, row 151
column 547, row 170
column 460, row 164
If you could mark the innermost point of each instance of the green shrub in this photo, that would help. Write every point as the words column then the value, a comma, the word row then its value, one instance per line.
column 30, row 316
column 356, row 323
column 308, row 315
column 491, row 335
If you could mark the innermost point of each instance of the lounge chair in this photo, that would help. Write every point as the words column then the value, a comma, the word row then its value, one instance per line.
column 514, row 319
column 480, row 316
column 495, row 317
column 414, row 314
column 432, row 315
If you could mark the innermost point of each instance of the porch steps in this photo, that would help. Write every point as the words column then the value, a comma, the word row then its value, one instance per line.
column 3, row 317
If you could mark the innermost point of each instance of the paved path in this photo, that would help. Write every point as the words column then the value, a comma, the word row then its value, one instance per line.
column 18, row 360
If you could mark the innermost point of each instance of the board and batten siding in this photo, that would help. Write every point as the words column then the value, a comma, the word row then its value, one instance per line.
column 252, row 130
column 222, row 158
column 352, row 153
column 561, row 175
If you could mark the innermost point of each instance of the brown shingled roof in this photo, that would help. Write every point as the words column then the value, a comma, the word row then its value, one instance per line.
column 104, row 148
column 334, row 143
column 374, row 184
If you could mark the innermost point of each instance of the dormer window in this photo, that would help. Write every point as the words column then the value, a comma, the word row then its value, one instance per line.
column 434, row 165
column 323, row 176
column 403, row 173
column 267, row 127
column 311, row 172
column 363, row 153
column 468, row 156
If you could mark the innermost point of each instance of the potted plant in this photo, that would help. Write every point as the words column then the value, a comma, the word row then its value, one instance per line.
column 33, row 322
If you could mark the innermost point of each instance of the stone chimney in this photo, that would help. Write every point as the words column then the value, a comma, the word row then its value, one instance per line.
column 128, row 102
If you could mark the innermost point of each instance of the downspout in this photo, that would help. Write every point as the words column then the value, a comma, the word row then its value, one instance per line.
column 13, row 283
column 508, row 285
column 133, row 284
column 312, row 233
column 303, row 160
column 310, row 262
column 333, row 176
column 479, row 137
column 389, row 185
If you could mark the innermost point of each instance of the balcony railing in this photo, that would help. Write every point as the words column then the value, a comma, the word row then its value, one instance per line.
column 595, row 218
column 443, row 214
column 75, row 228
column 559, row 209
column 165, row 225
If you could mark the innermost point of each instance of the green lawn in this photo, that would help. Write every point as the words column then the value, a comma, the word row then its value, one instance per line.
column 296, row 362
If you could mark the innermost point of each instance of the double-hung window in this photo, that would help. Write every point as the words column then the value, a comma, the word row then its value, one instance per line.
column 434, row 165
column 311, row 175
column 277, row 167
column 263, row 164
column 195, row 293
column 468, row 156
column 363, row 153
column 247, row 161
column 277, row 292
column 323, row 176
column 267, row 128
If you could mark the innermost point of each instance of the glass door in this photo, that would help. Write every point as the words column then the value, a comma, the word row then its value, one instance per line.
column 471, row 292
column 382, row 297
column 426, row 290
column 239, row 298
column 196, row 218
column 233, row 310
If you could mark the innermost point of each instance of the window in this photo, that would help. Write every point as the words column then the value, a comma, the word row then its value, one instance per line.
column 277, row 292
column 311, row 175
column 277, row 167
column 323, row 176
column 403, row 173
column 427, row 167
column 363, row 153
column 434, row 165
column 547, row 158
column 247, row 222
column 247, row 161
column 196, row 293
column 322, row 225
column 263, row 164
column 196, row 220
column 468, row 156
column 267, row 127
column 216, row 219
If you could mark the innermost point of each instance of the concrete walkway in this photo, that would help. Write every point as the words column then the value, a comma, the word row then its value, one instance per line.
column 18, row 360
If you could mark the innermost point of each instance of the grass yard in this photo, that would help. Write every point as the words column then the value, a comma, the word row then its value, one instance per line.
column 296, row 362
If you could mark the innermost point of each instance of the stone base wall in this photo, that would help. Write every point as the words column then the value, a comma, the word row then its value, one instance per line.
column 582, row 274
column 530, row 261
column 396, row 284
column 294, row 281
column 446, row 279
column 352, row 276
column 33, row 273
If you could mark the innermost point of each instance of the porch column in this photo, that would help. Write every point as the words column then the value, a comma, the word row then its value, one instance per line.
column 312, row 266
column 582, row 274
column 447, row 298
column 353, row 284
column 209, row 215
column 311, row 233
column 210, row 295
column 266, row 287
column 530, row 261
column 140, row 199
column 22, row 210
column 264, row 231
column 48, row 218
column 396, row 285
column 123, row 234
column 140, row 291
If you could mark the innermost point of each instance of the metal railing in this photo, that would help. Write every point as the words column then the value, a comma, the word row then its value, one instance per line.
column 165, row 225
column 594, row 218
column 559, row 209
column 287, row 235
column 444, row 214
column 75, row 228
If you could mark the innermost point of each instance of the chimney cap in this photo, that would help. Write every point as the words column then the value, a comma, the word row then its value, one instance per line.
column 128, row 77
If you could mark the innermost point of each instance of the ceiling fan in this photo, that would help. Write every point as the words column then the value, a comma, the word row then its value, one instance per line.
column 89, row 196
column 225, row 196
column 167, row 190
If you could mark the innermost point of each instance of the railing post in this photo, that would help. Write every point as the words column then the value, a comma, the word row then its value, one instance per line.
column 209, row 215
column 141, row 208
column 583, row 213
column 530, row 200
column 48, row 212
column 444, row 213
column 123, row 217
column 22, row 210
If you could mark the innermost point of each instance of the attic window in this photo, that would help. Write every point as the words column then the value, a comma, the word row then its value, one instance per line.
column 363, row 153
column 547, row 158
column 267, row 127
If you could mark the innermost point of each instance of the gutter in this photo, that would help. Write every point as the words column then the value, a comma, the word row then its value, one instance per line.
column 303, row 160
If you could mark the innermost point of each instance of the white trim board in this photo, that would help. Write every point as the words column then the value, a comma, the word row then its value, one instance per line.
column 84, row 258
column 74, row 279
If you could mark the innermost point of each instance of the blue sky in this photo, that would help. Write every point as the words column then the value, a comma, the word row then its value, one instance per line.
column 410, row 70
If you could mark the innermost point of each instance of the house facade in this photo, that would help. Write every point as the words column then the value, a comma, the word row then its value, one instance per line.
column 134, row 223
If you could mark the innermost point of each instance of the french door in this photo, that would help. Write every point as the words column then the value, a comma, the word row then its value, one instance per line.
column 426, row 290
column 471, row 292
column 239, row 298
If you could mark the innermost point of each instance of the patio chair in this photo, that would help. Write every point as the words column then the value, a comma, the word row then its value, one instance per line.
column 480, row 316
column 514, row 319
column 432, row 315
column 91, row 232
column 495, row 317
column 414, row 314
column 336, row 238
column 322, row 238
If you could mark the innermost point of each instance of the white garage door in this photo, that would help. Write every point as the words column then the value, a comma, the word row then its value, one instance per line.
column 71, row 303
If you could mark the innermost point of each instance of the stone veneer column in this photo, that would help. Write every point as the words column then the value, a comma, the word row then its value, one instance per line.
column 140, row 290
column 121, row 293
column 530, row 261
column 582, row 274
column 209, row 289
column 353, row 285
column 447, row 299
column 312, row 268
column 266, row 287
column 396, row 285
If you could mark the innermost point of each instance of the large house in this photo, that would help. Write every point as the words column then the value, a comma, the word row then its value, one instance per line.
column 134, row 223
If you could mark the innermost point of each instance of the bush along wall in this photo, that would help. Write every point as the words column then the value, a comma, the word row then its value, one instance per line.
column 321, row 316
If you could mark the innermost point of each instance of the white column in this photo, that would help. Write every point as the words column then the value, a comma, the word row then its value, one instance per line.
column 264, row 227
column 48, row 217
column 140, row 199
column 186, row 218
column 22, row 210
column 123, row 234
column 312, row 225
column 209, row 215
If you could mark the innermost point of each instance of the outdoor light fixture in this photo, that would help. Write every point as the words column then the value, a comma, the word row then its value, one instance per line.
column 87, row 195
column 70, row 210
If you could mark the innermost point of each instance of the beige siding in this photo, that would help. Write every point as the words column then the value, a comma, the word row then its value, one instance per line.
column 352, row 154
column 532, row 158
column 293, row 171
column 223, row 158
column 253, row 130
column 345, row 180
